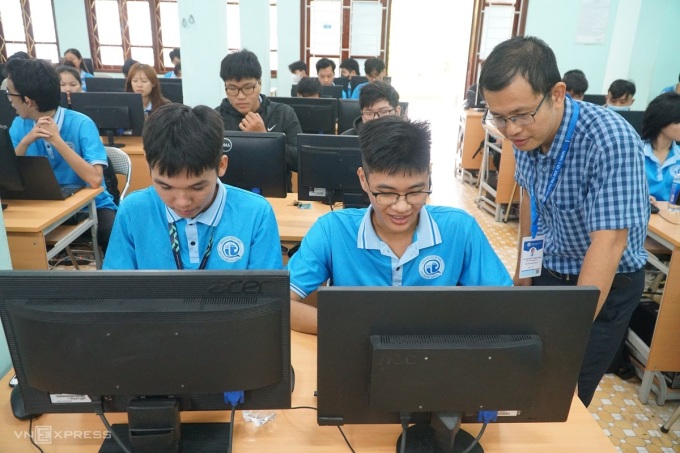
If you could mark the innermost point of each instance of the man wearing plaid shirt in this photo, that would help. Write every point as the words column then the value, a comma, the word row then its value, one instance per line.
column 585, row 197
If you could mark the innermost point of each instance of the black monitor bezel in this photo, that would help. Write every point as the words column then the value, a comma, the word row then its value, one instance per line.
column 105, row 85
column 267, row 168
column 10, row 174
column 92, row 104
column 313, row 110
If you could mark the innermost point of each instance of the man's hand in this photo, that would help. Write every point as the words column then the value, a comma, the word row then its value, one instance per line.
column 521, row 281
column 47, row 129
column 252, row 122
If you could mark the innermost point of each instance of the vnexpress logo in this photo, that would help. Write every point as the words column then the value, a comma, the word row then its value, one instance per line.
column 42, row 435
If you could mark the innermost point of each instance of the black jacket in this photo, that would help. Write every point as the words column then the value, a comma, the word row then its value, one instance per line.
column 278, row 117
column 358, row 121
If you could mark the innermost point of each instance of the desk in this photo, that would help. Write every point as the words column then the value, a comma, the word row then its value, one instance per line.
column 28, row 222
column 492, row 198
column 295, row 222
column 141, row 177
column 663, row 352
column 297, row 430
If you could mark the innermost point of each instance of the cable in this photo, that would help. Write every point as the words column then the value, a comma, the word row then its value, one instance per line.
column 231, row 429
column 476, row 441
column 30, row 435
column 405, row 418
column 346, row 440
column 305, row 407
column 99, row 411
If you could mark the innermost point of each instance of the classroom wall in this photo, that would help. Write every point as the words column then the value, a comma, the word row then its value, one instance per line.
column 5, row 263
column 640, row 44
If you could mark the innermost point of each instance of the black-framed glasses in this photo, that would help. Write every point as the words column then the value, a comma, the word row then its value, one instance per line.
column 523, row 119
column 392, row 198
column 370, row 115
column 9, row 95
column 246, row 90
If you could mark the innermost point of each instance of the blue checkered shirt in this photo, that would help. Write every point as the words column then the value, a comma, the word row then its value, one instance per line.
column 602, row 186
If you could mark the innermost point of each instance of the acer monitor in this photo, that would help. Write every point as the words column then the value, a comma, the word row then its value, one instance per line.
column 436, row 356
column 154, row 343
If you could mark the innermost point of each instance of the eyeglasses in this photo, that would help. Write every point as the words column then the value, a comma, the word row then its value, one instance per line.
column 392, row 198
column 9, row 95
column 523, row 119
column 246, row 90
column 370, row 115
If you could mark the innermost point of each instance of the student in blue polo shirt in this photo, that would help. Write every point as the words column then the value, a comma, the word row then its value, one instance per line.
column 69, row 139
column 398, row 240
column 188, row 219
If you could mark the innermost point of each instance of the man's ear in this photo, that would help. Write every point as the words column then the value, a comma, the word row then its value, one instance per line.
column 558, row 93
column 362, row 179
column 222, row 167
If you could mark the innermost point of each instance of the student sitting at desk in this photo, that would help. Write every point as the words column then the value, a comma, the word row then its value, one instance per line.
column 660, row 132
column 69, row 139
column 188, row 219
column 142, row 79
column 309, row 87
column 375, row 70
column 246, row 109
column 398, row 240
column 377, row 99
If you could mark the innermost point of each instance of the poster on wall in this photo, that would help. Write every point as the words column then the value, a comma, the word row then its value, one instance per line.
column 593, row 20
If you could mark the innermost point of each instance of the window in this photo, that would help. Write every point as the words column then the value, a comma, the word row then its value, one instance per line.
column 147, row 30
column 234, row 31
column 28, row 26
column 339, row 29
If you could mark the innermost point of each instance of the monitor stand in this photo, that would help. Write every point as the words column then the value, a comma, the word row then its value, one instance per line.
column 110, row 141
column 196, row 438
column 442, row 435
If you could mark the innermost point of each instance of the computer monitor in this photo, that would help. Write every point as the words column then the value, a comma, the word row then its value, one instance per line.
column 316, row 115
column 597, row 99
column 172, row 89
column 10, row 176
column 149, row 342
column 257, row 162
column 634, row 118
column 7, row 112
column 105, row 85
column 327, row 169
column 331, row 91
column 348, row 111
column 432, row 354
column 112, row 112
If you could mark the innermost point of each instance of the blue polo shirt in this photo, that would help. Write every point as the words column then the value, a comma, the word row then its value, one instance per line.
column 243, row 226
column 602, row 186
column 81, row 135
column 448, row 249
column 660, row 176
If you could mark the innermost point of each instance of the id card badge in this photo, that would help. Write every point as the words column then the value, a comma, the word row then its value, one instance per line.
column 531, row 260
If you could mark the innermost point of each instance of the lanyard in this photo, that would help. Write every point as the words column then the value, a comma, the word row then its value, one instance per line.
column 552, row 182
column 174, row 243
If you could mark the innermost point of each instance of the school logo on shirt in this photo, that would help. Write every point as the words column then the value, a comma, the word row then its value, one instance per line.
column 230, row 249
column 675, row 169
column 431, row 267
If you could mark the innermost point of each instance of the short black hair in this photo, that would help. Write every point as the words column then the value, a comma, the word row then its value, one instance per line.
column 376, row 91
column 36, row 79
column 576, row 81
column 178, row 139
column 298, row 66
column 528, row 56
column 620, row 88
column 351, row 65
column 177, row 69
column 308, row 86
column 394, row 146
column 662, row 111
column 127, row 65
column 174, row 53
column 324, row 63
column 373, row 65
column 240, row 65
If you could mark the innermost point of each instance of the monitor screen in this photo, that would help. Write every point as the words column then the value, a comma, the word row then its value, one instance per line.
column 327, row 169
column 348, row 111
column 316, row 115
column 634, row 118
column 118, row 339
column 105, row 85
column 172, row 89
column 257, row 162
column 112, row 112
column 7, row 112
column 597, row 99
column 428, row 351
column 10, row 176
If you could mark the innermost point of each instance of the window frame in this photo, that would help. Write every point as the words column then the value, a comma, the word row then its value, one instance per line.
column 156, row 36
column 28, row 33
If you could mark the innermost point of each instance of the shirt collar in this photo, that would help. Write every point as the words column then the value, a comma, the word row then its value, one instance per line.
column 426, row 235
column 210, row 216
column 673, row 154
column 561, row 134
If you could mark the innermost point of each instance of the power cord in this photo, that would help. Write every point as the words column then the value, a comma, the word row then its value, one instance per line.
column 231, row 429
column 100, row 412
column 349, row 445
column 405, row 418
column 477, row 439
column 30, row 435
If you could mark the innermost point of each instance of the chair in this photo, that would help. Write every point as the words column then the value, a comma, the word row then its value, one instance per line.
column 121, row 166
